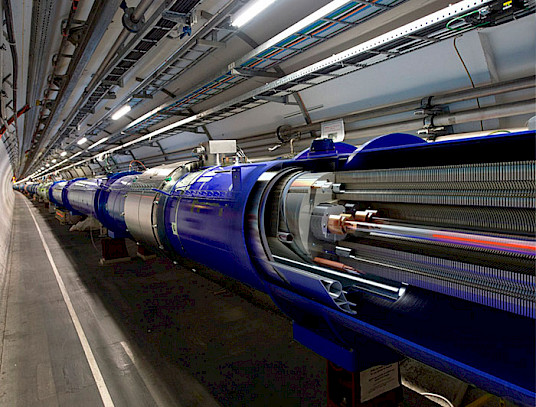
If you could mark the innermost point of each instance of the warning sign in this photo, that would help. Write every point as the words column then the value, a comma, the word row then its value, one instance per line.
column 333, row 130
column 378, row 380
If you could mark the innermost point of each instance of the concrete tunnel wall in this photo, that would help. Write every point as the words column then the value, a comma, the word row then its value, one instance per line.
column 7, row 197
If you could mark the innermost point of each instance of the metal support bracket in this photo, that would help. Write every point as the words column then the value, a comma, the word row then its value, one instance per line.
column 161, row 150
column 205, row 15
column 202, row 126
column 176, row 17
column 142, row 95
column 59, row 80
column 118, row 83
column 75, row 34
column 255, row 73
column 428, row 112
column 433, row 132
column 211, row 44
column 276, row 99
column 129, row 23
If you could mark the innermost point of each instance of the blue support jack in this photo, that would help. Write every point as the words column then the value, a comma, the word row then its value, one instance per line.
column 366, row 376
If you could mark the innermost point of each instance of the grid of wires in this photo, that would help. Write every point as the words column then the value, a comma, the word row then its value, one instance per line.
column 347, row 16
column 428, row 34
column 425, row 36
column 159, row 29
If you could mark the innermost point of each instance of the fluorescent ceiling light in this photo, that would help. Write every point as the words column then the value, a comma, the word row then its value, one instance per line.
column 121, row 112
column 102, row 140
column 251, row 11
column 145, row 116
column 64, row 153
column 81, row 141
column 300, row 25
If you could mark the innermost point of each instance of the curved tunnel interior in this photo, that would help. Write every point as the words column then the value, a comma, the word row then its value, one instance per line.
column 6, row 215
column 340, row 237
column 282, row 185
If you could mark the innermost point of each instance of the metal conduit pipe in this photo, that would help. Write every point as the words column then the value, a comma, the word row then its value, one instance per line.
column 260, row 153
column 267, row 139
column 393, row 125
column 3, row 114
column 13, row 48
column 141, row 9
column 257, row 145
column 97, row 23
column 55, row 72
column 97, row 77
column 125, row 49
column 472, row 115
column 485, row 90
column 452, row 97
column 181, row 50
column 138, row 13
column 459, row 96
column 490, row 112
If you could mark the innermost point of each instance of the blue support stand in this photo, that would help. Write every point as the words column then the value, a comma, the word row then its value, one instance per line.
column 365, row 376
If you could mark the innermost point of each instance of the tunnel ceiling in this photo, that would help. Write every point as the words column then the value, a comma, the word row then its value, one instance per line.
column 188, row 74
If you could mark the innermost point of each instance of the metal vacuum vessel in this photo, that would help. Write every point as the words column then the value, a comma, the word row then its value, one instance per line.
column 425, row 248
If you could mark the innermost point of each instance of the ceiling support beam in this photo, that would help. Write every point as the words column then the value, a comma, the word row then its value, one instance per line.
column 142, row 95
column 102, row 13
column 280, row 74
column 203, row 127
column 115, row 54
column 277, row 99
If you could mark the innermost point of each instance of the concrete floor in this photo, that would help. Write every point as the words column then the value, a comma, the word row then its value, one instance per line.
column 160, row 333
column 149, row 333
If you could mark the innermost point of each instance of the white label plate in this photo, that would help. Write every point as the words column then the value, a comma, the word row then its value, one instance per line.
column 378, row 380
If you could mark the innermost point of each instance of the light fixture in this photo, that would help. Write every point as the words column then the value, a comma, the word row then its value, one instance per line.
column 251, row 11
column 54, row 161
column 47, row 165
column 42, row 168
column 63, row 154
column 145, row 116
column 121, row 112
column 81, row 141
column 102, row 140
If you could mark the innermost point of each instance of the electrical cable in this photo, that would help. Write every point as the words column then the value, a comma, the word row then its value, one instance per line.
column 92, row 240
column 136, row 161
column 107, row 165
column 499, row 132
column 468, row 74
column 439, row 396
column 461, row 18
